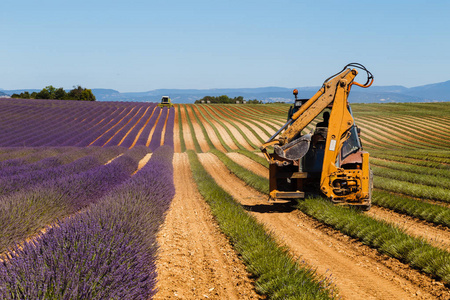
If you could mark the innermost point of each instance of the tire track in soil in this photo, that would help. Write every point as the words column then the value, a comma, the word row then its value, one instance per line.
column 195, row 259
column 357, row 270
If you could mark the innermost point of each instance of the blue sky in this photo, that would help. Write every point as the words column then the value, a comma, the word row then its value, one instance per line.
column 144, row 45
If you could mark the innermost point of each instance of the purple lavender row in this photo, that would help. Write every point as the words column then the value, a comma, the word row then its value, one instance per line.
column 66, row 155
column 39, row 124
column 120, row 133
column 63, row 129
column 129, row 139
column 142, row 140
column 93, row 133
column 11, row 114
column 155, row 141
column 15, row 183
column 44, row 118
column 107, row 252
column 19, row 124
column 48, row 130
column 76, row 132
column 168, row 136
column 116, row 128
column 27, row 211
column 16, row 152
column 23, row 156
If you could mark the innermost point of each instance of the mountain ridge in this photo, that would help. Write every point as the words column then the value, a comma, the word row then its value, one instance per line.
column 375, row 94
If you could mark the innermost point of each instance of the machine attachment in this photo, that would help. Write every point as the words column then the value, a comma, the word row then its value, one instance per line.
column 330, row 160
column 294, row 150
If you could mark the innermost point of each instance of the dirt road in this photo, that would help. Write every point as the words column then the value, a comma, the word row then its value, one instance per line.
column 195, row 259
column 358, row 271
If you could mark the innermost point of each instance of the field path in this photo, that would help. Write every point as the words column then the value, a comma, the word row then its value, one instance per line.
column 240, row 139
column 176, row 132
column 197, row 129
column 195, row 259
column 249, row 164
column 186, row 130
column 438, row 236
column 223, row 133
column 209, row 130
column 358, row 271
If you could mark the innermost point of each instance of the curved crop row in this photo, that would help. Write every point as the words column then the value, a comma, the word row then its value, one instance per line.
column 106, row 252
column 278, row 276
column 386, row 238
column 30, row 123
column 29, row 209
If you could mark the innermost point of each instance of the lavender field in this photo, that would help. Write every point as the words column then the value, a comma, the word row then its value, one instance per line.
column 79, row 214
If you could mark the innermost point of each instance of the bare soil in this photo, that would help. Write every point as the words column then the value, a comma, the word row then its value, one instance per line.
column 187, row 136
column 241, row 140
column 358, row 271
column 150, row 136
column 249, row 164
column 239, row 114
column 176, row 133
column 196, row 260
column 223, row 133
column 210, row 131
column 224, row 114
column 438, row 236
column 198, row 130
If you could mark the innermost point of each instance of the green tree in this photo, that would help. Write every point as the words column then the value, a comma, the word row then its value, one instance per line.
column 79, row 93
column 60, row 94
column 87, row 95
column 43, row 94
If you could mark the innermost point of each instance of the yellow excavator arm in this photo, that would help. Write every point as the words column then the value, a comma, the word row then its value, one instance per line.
column 338, row 159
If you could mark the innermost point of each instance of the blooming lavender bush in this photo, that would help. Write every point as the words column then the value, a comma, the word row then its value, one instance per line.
column 156, row 137
column 106, row 252
column 142, row 140
column 22, row 156
column 104, row 138
column 129, row 139
column 10, row 184
column 168, row 136
column 29, row 123
column 120, row 134
column 69, row 154
column 28, row 210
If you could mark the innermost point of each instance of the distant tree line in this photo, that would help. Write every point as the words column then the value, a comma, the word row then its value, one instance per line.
column 50, row 92
column 226, row 99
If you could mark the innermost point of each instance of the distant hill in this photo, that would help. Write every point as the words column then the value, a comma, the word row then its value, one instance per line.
column 374, row 94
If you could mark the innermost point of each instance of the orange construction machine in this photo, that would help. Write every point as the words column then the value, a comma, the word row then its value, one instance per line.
column 329, row 158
